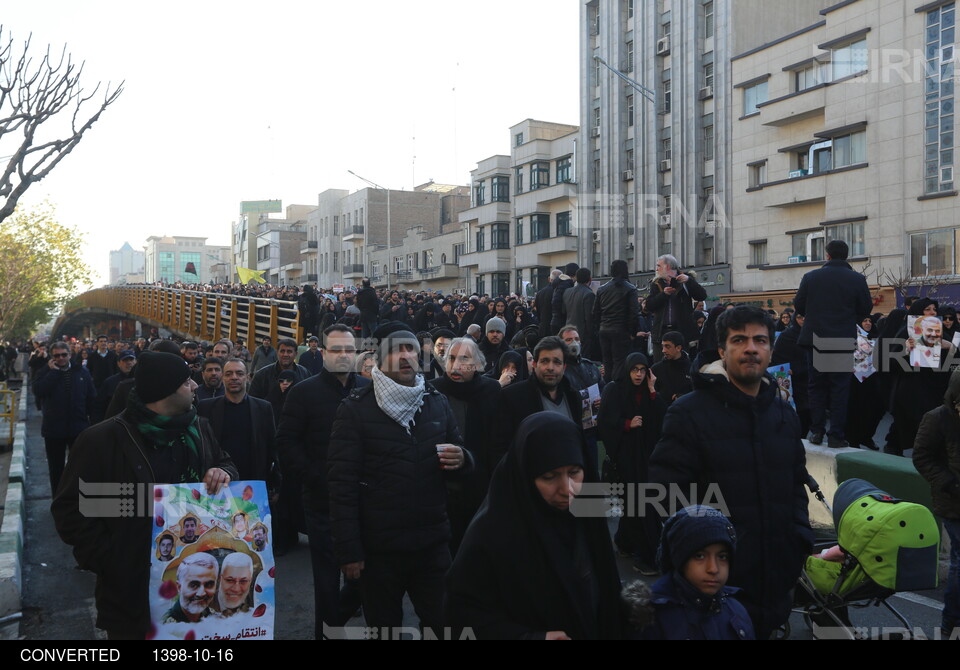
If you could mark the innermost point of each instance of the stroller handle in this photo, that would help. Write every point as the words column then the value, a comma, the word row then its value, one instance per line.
column 814, row 487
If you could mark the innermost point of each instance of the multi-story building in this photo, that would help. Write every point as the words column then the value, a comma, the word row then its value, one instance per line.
column 244, row 231
column 655, row 165
column 185, row 259
column 126, row 265
column 846, row 131
column 522, row 221
column 278, row 245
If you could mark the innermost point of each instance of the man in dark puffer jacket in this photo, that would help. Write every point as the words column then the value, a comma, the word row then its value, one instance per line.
column 393, row 444
column 736, row 433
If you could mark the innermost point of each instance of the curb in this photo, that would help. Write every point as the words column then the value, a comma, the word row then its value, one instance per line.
column 11, row 534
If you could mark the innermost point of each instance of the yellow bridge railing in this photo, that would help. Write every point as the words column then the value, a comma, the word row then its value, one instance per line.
column 202, row 316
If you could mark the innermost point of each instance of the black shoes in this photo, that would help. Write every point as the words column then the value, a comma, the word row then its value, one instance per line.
column 837, row 443
column 816, row 438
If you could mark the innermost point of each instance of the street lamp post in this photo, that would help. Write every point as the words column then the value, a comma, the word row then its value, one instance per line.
column 377, row 186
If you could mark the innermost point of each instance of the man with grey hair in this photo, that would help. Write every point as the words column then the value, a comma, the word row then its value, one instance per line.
column 391, row 438
column 473, row 330
column 236, row 578
column 672, row 297
column 196, row 586
column 222, row 349
column 473, row 398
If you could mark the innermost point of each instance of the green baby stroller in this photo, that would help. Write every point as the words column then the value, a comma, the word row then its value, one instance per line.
column 885, row 545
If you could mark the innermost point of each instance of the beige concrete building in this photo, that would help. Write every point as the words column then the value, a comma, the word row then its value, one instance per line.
column 522, row 222
column 185, row 259
column 845, row 130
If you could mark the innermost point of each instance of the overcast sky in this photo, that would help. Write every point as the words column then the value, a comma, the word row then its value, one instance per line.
column 226, row 102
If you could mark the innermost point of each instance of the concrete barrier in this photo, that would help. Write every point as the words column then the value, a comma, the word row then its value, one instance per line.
column 11, row 550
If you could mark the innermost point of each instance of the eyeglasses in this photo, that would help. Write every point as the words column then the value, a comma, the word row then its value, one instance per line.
column 61, row 355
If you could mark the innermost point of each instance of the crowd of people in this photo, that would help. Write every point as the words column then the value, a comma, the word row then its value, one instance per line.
column 435, row 446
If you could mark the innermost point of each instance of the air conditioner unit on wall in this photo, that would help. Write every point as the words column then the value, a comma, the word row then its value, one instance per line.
column 706, row 92
column 628, row 175
column 663, row 46
column 596, row 236
column 595, row 131
column 666, row 166
column 666, row 221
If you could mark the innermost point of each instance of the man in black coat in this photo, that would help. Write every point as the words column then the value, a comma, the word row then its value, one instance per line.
column 735, row 443
column 833, row 300
column 66, row 394
column 544, row 303
column 671, row 300
column 558, row 310
column 244, row 425
column 303, row 438
column 102, row 362
column 672, row 373
column 578, row 308
column 369, row 307
column 547, row 390
column 616, row 311
column 473, row 399
column 393, row 445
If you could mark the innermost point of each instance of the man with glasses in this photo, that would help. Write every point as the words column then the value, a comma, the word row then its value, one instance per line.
column 66, row 394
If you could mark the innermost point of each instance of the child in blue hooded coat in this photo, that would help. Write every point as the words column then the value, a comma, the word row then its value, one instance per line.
column 691, row 601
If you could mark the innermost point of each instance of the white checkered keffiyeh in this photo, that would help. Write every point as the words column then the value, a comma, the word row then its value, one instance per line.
column 399, row 402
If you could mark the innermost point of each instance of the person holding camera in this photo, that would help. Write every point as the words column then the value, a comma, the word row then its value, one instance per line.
column 672, row 297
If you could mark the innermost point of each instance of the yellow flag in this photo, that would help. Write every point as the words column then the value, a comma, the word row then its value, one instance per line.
column 246, row 275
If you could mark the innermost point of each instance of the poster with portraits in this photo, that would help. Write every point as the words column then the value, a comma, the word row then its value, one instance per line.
column 863, row 366
column 926, row 333
column 590, row 404
column 781, row 374
column 211, row 563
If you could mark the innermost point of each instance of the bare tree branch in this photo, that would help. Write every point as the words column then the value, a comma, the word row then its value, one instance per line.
column 31, row 95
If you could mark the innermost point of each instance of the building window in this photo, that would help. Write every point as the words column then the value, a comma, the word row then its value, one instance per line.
column 939, row 100
column 630, row 111
column 708, row 138
column 336, row 260
column 849, row 59
column 629, row 9
column 481, row 286
column 480, row 246
column 753, row 96
column 518, row 179
column 501, row 283
column 666, row 93
column 666, row 146
column 500, row 236
column 479, row 192
column 808, row 77
column 539, row 175
column 708, row 19
column 519, row 229
column 628, row 163
column 596, row 117
column 851, row 233
column 708, row 74
column 596, row 173
column 501, row 189
column 565, row 170
column 629, row 63
column 563, row 224
column 850, row 149
column 808, row 247
column 933, row 253
column 458, row 251
column 758, row 253
column 397, row 264
column 336, row 225
column 518, row 139
column 757, row 174
column 539, row 227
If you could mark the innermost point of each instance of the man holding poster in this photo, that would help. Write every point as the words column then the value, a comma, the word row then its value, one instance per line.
column 157, row 439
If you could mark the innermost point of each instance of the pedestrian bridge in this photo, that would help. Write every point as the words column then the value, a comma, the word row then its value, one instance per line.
column 191, row 315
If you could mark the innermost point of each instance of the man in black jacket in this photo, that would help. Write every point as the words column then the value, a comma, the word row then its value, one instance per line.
column 544, row 304
column 734, row 442
column 369, row 307
column 617, row 312
column 547, row 390
column 672, row 373
column 67, row 397
column 558, row 310
column 393, row 444
column 102, row 362
column 672, row 296
column 135, row 447
column 578, row 307
column 303, row 438
column 265, row 381
column 833, row 300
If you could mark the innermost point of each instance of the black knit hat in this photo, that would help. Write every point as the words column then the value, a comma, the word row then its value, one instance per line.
column 690, row 530
column 159, row 375
column 391, row 333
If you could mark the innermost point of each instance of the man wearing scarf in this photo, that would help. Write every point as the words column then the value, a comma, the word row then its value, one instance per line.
column 392, row 448
column 158, row 439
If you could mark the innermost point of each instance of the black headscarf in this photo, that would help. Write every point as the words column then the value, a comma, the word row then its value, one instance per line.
column 948, row 332
column 519, row 359
column 526, row 568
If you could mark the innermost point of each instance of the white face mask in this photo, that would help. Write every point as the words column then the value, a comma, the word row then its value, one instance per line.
column 574, row 348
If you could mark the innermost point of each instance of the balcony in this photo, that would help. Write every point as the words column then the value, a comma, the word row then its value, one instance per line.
column 530, row 202
column 794, row 107
column 445, row 271
column 542, row 252
column 493, row 260
column 353, row 233
column 491, row 212
column 309, row 247
column 353, row 271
